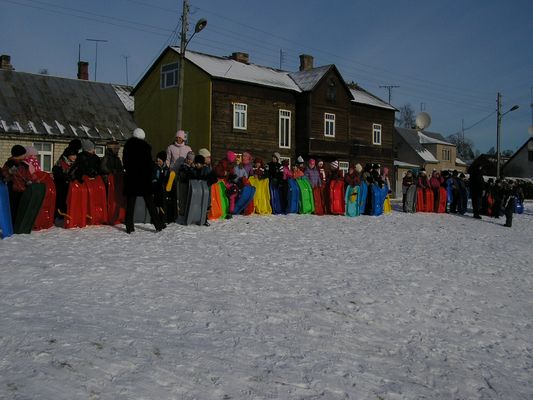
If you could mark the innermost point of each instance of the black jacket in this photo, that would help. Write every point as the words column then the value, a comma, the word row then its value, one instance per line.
column 138, row 166
column 86, row 164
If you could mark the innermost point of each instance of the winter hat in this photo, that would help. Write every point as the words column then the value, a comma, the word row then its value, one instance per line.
column 385, row 171
column 75, row 144
column 335, row 164
column 231, row 156
column 204, row 152
column 180, row 134
column 300, row 160
column 87, row 145
column 17, row 150
column 277, row 155
column 312, row 162
column 190, row 155
column 199, row 159
column 31, row 151
column 162, row 155
column 139, row 133
column 358, row 167
column 70, row 151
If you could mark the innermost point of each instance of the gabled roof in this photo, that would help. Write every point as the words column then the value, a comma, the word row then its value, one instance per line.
column 62, row 107
column 519, row 150
column 227, row 68
column 307, row 80
column 432, row 138
column 411, row 136
column 363, row 97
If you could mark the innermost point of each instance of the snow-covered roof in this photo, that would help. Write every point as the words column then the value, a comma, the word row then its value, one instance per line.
column 227, row 68
column 398, row 163
column 426, row 155
column 308, row 79
column 427, row 139
column 33, row 104
column 123, row 93
column 363, row 97
column 458, row 161
column 413, row 140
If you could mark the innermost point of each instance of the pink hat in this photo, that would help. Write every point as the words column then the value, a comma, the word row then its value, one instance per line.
column 180, row 134
column 230, row 155
column 312, row 161
column 385, row 171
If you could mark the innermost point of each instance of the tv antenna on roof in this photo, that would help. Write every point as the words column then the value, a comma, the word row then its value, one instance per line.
column 96, row 58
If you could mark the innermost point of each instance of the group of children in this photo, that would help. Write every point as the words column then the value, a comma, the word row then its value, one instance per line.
column 451, row 191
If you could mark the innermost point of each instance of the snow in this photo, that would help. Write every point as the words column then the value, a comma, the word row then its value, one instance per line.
column 426, row 155
column 402, row 306
column 425, row 139
column 363, row 97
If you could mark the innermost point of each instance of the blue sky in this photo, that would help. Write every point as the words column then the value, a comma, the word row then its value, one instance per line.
column 449, row 58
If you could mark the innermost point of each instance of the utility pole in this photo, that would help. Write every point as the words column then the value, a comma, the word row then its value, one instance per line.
column 96, row 41
column 281, row 58
column 183, row 44
column 126, row 59
column 499, row 123
column 389, row 88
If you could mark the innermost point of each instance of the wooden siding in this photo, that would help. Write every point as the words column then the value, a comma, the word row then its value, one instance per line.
column 261, row 138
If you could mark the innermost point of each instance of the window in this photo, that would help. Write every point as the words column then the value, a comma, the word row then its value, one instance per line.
column 376, row 134
column 46, row 152
column 284, row 129
column 239, row 115
column 99, row 150
column 530, row 155
column 446, row 154
column 169, row 75
column 329, row 125
column 344, row 166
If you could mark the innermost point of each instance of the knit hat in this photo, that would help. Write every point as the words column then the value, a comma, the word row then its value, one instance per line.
column 87, row 145
column 190, row 155
column 199, row 159
column 334, row 164
column 162, row 155
column 70, row 151
column 300, row 160
column 358, row 167
column 18, row 150
column 75, row 144
column 139, row 133
column 231, row 156
column 246, row 158
column 180, row 134
column 277, row 155
column 312, row 162
column 204, row 152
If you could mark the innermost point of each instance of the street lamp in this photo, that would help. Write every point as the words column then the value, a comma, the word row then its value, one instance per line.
column 499, row 123
column 200, row 25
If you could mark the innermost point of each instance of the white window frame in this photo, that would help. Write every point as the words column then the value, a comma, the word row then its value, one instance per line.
column 284, row 129
column 45, row 154
column 329, row 125
column 169, row 72
column 344, row 166
column 240, row 116
column 376, row 134
column 99, row 150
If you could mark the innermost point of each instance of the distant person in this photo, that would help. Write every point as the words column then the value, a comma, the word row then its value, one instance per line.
column 138, row 167
column 177, row 151
column 16, row 174
column 111, row 163
column 62, row 177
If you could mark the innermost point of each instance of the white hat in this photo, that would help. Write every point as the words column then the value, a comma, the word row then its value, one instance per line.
column 139, row 133
column 204, row 152
column 335, row 164
column 300, row 160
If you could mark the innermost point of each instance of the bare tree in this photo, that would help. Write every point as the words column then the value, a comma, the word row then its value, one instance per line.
column 465, row 147
column 407, row 117
column 43, row 71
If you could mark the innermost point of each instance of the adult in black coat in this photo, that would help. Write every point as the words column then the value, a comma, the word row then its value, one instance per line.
column 138, row 166
column 476, row 184
column 87, row 162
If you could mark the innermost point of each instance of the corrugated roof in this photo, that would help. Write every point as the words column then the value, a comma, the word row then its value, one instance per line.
column 307, row 80
column 227, row 68
column 364, row 97
column 47, row 105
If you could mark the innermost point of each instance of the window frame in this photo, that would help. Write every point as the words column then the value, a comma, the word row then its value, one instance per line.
column 42, row 153
column 377, row 130
column 446, row 154
column 284, row 121
column 344, row 166
column 244, row 113
column 329, row 125
column 164, row 75
column 99, row 150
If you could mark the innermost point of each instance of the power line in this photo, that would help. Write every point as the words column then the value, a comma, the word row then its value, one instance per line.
column 389, row 88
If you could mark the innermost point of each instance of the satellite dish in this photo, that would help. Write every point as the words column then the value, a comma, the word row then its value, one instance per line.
column 423, row 120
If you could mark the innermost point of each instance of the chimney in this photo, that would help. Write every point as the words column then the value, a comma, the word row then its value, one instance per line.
column 5, row 62
column 306, row 62
column 240, row 57
column 83, row 70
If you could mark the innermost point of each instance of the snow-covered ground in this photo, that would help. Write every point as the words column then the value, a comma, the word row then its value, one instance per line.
column 403, row 306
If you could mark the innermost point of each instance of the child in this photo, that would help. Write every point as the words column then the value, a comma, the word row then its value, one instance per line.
column 159, row 182
column 62, row 177
column 509, row 202
column 17, row 175
column 32, row 160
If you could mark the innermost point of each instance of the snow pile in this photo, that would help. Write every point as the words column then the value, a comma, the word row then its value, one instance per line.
column 287, row 307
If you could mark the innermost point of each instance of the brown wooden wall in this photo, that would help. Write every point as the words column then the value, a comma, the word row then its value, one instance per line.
column 261, row 137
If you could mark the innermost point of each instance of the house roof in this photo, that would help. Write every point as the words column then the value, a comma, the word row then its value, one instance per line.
column 412, row 138
column 432, row 138
column 404, row 164
column 61, row 107
column 458, row 161
column 519, row 150
column 363, row 97
column 307, row 80
column 227, row 68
